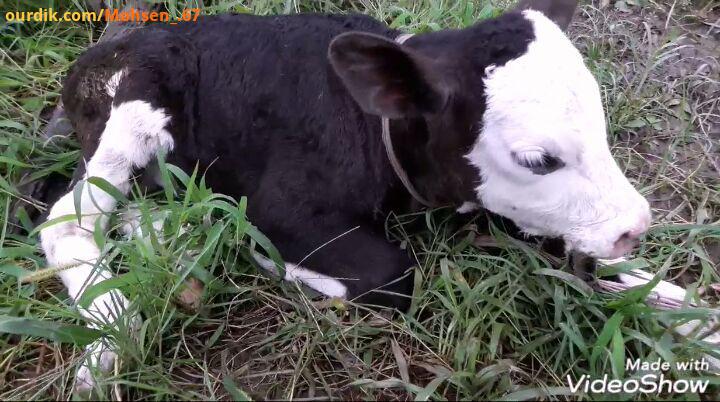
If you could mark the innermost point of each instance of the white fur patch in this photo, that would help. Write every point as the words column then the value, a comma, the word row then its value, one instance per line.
column 133, row 135
column 114, row 82
column 467, row 207
column 135, row 131
column 132, row 226
column 547, row 101
column 99, row 356
column 324, row 284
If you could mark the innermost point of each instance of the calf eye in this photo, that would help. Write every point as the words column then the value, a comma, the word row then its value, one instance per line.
column 539, row 163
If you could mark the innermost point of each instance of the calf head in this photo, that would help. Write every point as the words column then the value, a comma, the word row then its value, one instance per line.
column 517, row 93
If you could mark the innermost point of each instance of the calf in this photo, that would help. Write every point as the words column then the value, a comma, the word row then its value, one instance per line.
column 292, row 110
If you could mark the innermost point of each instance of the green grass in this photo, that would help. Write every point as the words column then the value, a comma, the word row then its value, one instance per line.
column 487, row 322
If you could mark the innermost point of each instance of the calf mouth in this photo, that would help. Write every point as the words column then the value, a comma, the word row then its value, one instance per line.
column 583, row 265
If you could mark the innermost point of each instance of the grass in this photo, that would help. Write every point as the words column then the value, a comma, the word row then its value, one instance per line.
column 493, row 316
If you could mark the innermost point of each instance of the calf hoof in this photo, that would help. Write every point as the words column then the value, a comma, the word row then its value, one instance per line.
column 190, row 298
column 101, row 356
column 99, row 361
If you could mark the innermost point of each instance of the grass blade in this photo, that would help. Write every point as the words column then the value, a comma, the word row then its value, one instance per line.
column 66, row 333
column 235, row 393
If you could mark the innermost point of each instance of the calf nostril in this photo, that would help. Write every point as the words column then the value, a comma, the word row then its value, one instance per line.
column 632, row 234
column 630, row 239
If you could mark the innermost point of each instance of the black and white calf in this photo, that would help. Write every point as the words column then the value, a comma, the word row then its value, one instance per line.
column 287, row 110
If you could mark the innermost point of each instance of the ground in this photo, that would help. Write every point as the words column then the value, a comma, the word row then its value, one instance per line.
column 493, row 315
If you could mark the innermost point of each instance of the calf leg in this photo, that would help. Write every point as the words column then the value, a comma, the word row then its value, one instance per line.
column 134, row 133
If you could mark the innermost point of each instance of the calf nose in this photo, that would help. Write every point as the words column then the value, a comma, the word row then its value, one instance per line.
column 631, row 238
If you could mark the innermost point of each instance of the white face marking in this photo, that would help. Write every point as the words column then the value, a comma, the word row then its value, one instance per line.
column 547, row 101
column 324, row 284
column 133, row 135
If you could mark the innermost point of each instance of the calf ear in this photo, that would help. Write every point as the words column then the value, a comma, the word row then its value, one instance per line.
column 560, row 11
column 386, row 78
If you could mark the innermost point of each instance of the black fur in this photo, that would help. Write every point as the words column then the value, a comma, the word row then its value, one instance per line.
column 257, row 102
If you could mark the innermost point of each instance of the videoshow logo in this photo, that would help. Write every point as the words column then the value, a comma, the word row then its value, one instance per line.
column 653, row 381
